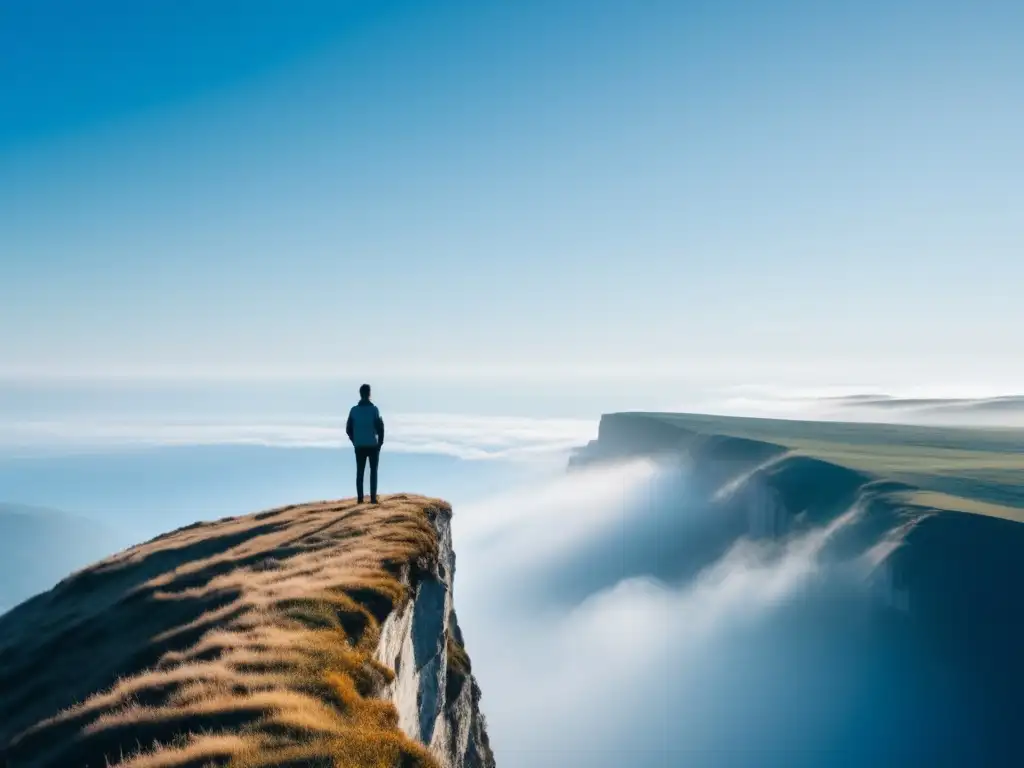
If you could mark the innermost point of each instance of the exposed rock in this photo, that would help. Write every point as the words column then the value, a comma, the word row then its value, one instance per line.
column 437, row 701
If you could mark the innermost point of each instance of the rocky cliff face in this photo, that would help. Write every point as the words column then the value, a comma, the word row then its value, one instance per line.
column 434, row 691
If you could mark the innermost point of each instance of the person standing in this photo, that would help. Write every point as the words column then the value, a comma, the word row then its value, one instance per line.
column 365, row 430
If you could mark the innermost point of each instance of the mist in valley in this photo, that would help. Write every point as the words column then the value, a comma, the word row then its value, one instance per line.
column 770, row 654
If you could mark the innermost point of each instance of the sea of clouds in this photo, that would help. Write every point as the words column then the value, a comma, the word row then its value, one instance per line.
column 758, row 660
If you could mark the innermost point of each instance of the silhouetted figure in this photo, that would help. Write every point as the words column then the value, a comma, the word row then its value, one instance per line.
column 365, row 428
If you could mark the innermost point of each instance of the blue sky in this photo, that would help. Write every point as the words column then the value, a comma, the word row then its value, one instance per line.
column 529, row 189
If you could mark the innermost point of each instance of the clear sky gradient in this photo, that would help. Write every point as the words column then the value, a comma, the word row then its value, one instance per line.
column 528, row 187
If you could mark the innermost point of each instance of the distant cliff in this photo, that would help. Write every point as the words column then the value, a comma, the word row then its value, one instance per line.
column 930, row 520
column 316, row 634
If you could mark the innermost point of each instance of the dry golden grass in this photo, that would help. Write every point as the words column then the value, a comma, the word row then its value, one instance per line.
column 246, row 642
column 945, row 501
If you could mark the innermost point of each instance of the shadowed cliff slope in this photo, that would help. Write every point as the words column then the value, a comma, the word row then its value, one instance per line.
column 250, row 641
column 39, row 546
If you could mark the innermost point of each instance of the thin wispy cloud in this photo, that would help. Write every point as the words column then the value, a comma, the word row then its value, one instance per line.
column 463, row 436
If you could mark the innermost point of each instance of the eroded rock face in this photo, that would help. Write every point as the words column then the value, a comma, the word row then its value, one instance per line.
column 434, row 691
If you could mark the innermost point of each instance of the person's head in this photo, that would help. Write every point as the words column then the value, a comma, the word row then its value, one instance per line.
column 364, row 392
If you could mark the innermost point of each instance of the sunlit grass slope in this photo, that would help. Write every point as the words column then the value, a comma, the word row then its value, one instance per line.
column 247, row 642
column 972, row 470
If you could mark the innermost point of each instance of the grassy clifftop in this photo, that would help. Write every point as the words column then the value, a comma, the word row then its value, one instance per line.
column 247, row 641
column 973, row 470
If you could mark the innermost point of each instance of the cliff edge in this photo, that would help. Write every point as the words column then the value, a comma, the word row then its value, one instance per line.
column 318, row 634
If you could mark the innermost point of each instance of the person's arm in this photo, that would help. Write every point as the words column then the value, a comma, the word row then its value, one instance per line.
column 349, row 429
column 378, row 425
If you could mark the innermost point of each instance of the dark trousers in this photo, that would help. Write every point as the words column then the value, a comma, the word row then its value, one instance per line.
column 371, row 452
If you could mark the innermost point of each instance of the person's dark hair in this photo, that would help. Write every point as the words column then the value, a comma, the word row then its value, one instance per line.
column 364, row 391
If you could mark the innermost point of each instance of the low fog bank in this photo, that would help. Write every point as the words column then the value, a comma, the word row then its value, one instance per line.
column 593, row 648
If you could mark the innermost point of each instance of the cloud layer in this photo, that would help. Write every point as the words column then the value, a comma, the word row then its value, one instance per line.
column 463, row 436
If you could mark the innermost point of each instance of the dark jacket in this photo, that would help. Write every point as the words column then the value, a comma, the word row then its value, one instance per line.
column 365, row 427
